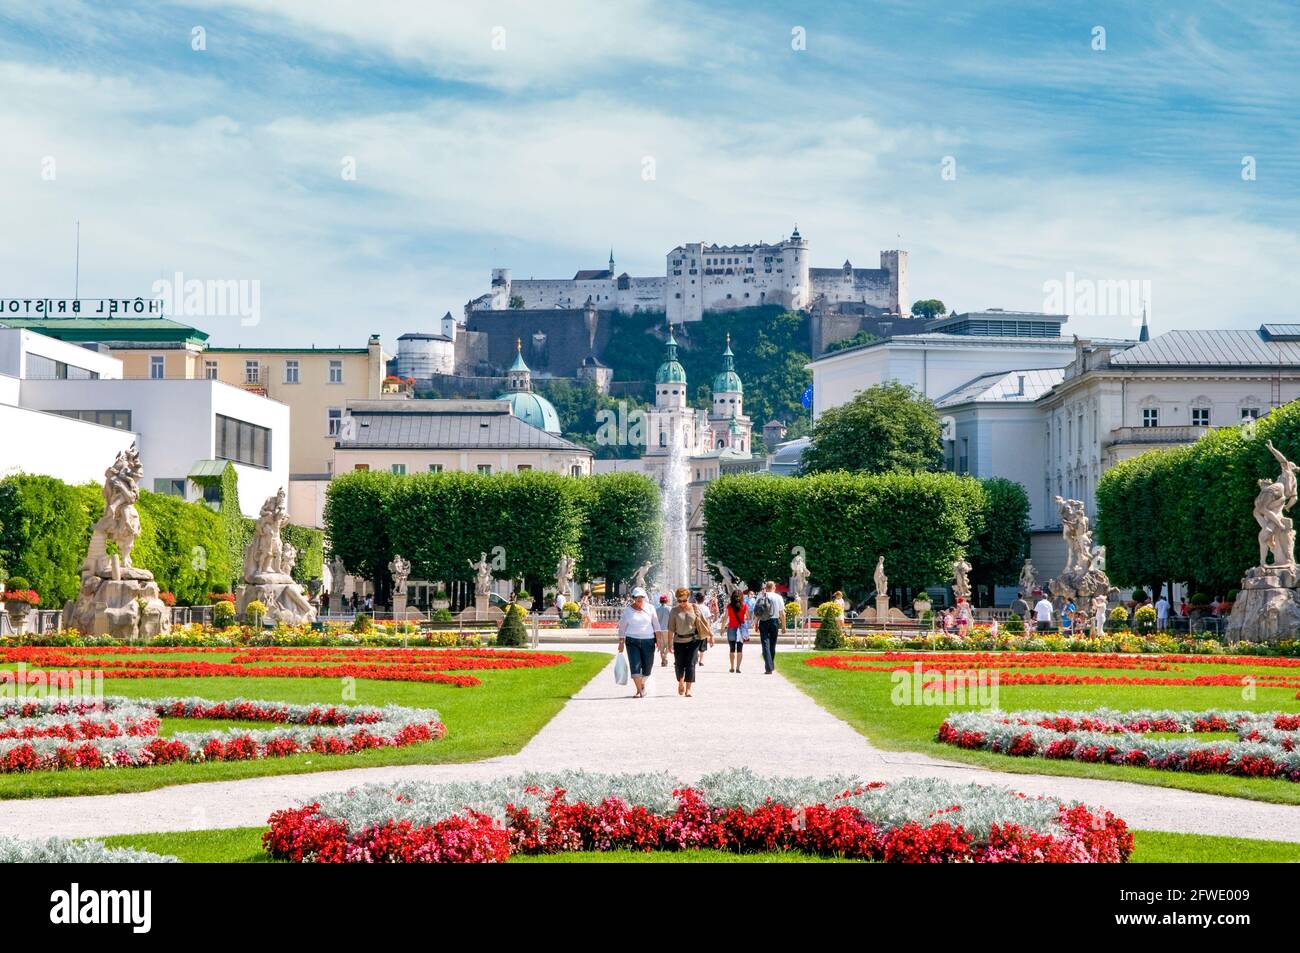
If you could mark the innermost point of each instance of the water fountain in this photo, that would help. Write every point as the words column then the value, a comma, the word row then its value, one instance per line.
column 674, row 569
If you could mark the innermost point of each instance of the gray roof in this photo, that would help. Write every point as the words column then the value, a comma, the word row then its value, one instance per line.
column 1004, row 387
column 423, row 336
column 1210, row 349
column 450, row 430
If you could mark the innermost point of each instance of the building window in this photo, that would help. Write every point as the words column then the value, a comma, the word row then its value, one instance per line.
column 252, row 372
column 399, row 469
column 291, row 372
column 485, row 469
column 210, row 370
column 1150, row 416
column 524, row 466
column 42, row 368
column 242, row 442
column 575, row 470
column 1250, row 413
column 435, row 468
column 169, row 486
column 1200, row 416
column 362, row 466
column 118, row 419
column 157, row 367
column 336, row 372
column 334, row 421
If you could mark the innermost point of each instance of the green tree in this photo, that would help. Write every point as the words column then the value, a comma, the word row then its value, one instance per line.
column 619, row 517
column 357, row 524
column 1000, row 542
column 862, row 337
column 886, row 427
column 43, row 531
column 928, row 308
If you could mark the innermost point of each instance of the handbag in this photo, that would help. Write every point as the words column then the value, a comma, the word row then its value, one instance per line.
column 702, row 631
column 622, row 670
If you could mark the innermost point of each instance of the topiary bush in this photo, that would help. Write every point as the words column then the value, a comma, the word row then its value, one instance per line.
column 1144, row 620
column 442, row 615
column 361, row 622
column 512, row 631
column 223, row 614
column 830, row 635
column 1015, row 625
column 1117, row 620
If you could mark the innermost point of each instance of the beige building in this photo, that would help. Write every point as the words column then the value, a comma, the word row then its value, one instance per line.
column 433, row 436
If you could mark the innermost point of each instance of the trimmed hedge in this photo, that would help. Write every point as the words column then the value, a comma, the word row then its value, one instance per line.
column 844, row 522
column 42, row 523
column 1186, row 514
column 442, row 521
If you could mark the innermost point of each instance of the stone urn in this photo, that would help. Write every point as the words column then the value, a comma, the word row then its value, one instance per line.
column 18, row 610
column 919, row 606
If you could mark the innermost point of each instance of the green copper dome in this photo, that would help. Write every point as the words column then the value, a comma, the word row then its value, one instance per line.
column 533, row 409
column 728, row 382
column 671, row 372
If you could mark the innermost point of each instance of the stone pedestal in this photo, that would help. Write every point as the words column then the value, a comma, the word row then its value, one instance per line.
column 481, row 605
column 882, row 608
column 399, row 606
column 1267, row 607
column 126, row 608
column 283, row 598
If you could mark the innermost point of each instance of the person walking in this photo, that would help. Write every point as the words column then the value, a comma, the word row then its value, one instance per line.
column 737, row 629
column 1020, row 607
column 703, row 609
column 964, row 617
column 584, row 609
column 661, row 629
column 688, row 629
column 769, row 610
column 1043, row 613
column 637, row 632
column 1162, row 614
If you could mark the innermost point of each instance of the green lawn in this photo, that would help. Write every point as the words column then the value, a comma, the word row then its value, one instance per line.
column 495, row 718
column 243, row 845
column 863, row 700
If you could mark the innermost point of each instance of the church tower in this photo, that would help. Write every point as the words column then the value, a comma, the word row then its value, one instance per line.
column 731, row 428
column 672, row 422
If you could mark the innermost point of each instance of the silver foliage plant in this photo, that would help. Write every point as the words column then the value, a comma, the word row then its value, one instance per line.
column 1000, row 731
column 924, row 800
column 58, row 850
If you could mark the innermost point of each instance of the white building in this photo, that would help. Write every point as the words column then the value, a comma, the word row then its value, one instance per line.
column 68, row 412
column 701, row 277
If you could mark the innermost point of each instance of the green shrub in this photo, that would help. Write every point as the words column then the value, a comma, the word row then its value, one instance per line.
column 1015, row 625
column 1200, row 599
column 1117, row 619
column 223, row 614
column 17, row 582
column 1144, row 619
column 362, row 623
column 830, row 635
column 255, row 612
column 44, row 528
column 442, row 615
column 512, row 631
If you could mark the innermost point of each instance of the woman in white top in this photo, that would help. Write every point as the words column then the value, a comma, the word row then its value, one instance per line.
column 636, row 634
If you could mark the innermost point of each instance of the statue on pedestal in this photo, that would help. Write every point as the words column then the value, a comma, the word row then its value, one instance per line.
column 882, row 581
column 482, row 576
column 268, row 568
column 564, row 570
column 799, row 580
column 116, row 598
column 400, row 569
column 729, row 581
column 639, row 576
column 1268, row 605
column 1027, row 581
column 961, row 579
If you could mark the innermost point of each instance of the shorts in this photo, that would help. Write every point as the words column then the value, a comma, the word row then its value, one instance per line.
column 640, row 656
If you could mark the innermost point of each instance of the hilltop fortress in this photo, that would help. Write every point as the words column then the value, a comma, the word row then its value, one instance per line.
column 699, row 277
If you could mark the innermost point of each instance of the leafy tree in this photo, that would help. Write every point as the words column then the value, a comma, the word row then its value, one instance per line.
column 998, row 547
column 357, row 524
column 619, row 516
column 516, row 301
column 886, row 427
column 43, row 534
column 928, row 308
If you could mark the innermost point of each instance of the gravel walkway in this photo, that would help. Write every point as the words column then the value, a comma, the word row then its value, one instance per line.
column 753, row 720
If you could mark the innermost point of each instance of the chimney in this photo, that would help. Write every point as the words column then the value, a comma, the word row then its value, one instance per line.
column 1020, row 388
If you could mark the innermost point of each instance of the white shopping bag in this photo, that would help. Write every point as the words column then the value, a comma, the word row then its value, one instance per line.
column 621, row 668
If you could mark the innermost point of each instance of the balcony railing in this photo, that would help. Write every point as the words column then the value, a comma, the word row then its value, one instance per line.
column 1156, row 435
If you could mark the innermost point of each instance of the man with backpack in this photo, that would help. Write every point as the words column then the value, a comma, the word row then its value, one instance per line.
column 769, row 610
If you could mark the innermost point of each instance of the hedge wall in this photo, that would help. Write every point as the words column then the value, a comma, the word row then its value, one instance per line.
column 919, row 522
column 1184, row 515
column 441, row 521
column 42, row 523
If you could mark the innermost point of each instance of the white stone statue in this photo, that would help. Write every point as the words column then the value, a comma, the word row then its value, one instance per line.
column 564, row 570
column 1078, row 537
column 1099, row 603
column 482, row 575
column 268, row 567
column 115, row 597
column 882, row 581
column 729, row 581
column 401, row 571
column 1276, row 529
column 639, row 576
column 1027, row 581
column 960, row 579
column 799, row 578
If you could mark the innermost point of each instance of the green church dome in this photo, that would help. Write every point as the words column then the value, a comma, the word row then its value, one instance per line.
column 728, row 382
column 671, row 372
column 533, row 409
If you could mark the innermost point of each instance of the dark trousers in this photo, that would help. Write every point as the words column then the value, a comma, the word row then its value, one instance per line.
column 684, row 655
column 768, row 629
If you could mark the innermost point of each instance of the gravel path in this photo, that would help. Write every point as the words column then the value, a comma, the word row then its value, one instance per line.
column 753, row 720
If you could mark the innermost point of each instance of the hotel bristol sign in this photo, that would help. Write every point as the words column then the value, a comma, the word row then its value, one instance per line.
column 80, row 308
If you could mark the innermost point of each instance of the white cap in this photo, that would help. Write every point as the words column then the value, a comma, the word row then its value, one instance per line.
column 638, row 593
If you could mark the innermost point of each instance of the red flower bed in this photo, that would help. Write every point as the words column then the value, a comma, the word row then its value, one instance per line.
column 307, row 835
column 391, row 665
column 963, row 665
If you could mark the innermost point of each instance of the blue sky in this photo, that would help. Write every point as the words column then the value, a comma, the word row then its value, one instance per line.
column 1122, row 164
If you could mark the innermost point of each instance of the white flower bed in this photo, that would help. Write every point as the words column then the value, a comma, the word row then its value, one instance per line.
column 57, row 850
